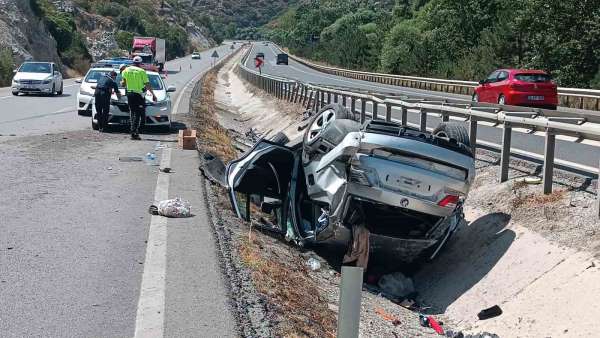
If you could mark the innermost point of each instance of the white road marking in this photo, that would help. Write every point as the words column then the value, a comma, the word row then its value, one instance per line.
column 150, row 319
column 181, row 94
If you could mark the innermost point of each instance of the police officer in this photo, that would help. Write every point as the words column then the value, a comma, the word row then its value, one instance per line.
column 136, row 81
column 104, row 89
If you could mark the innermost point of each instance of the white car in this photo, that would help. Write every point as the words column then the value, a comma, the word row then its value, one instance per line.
column 195, row 55
column 38, row 78
column 86, row 92
column 158, row 114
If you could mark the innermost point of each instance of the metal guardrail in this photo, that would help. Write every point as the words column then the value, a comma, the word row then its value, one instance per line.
column 551, row 122
column 578, row 98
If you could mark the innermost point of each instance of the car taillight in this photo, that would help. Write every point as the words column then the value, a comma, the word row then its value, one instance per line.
column 450, row 201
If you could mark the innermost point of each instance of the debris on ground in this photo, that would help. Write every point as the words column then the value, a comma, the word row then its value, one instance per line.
column 491, row 312
column 131, row 158
column 165, row 170
column 213, row 168
column 313, row 264
column 388, row 317
column 396, row 284
column 175, row 208
column 430, row 321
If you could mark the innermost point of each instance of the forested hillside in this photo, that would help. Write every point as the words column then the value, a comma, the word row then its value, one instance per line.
column 458, row 39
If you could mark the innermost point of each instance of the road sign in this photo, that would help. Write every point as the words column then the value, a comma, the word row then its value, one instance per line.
column 215, row 54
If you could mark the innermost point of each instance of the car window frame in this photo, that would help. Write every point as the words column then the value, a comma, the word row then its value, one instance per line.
column 498, row 79
column 489, row 79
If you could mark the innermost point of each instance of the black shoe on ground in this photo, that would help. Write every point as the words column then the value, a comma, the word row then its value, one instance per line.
column 133, row 137
column 136, row 137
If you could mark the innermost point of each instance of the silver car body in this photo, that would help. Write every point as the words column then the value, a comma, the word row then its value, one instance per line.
column 37, row 78
column 86, row 89
column 411, row 184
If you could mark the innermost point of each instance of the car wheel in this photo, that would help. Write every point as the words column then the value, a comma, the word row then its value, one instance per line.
column 95, row 125
column 280, row 138
column 501, row 99
column 475, row 97
column 53, row 90
column 453, row 130
column 326, row 129
column 60, row 92
column 15, row 93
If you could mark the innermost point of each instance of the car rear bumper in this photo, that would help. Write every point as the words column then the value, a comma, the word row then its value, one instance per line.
column 524, row 99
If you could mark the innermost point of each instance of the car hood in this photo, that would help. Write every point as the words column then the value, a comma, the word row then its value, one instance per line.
column 32, row 76
column 161, row 95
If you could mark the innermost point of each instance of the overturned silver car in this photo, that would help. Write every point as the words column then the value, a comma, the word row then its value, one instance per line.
column 410, row 184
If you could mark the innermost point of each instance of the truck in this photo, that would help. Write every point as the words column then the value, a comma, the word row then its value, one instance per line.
column 152, row 50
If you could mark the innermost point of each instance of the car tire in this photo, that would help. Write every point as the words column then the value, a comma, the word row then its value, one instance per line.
column 53, row 90
column 453, row 130
column 501, row 99
column 320, row 133
column 279, row 138
column 15, row 93
column 60, row 92
column 95, row 125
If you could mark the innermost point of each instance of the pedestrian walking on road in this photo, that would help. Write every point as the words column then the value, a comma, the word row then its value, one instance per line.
column 105, row 86
column 136, row 82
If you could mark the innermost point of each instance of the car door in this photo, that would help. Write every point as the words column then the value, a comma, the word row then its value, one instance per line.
column 265, row 171
column 486, row 94
column 498, row 87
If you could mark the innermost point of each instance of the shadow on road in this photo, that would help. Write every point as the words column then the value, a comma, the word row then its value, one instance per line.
column 470, row 256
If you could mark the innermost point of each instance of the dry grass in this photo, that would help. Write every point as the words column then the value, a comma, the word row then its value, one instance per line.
column 212, row 137
column 293, row 294
column 534, row 200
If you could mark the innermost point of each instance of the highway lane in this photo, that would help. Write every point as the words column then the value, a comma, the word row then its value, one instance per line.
column 38, row 115
column 582, row 156
column 74, row 225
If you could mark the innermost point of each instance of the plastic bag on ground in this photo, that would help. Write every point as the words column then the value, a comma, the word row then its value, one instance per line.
column 396, row 284
column 313, row 264
column 175, row 208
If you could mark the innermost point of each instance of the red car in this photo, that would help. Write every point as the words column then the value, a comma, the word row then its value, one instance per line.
column 518, row 87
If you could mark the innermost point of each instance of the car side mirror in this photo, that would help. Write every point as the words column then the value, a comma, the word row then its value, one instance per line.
column 15, row 71
column 56, row 73
column 78, row 81
column 171, row 89
column 482, row 82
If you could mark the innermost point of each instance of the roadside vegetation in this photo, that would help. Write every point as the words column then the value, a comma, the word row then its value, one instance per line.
column 457, row 39
column 6, row 67
column 70, row 43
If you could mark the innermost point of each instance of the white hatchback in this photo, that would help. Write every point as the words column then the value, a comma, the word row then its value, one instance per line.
column 37, row 78
column 158, row 114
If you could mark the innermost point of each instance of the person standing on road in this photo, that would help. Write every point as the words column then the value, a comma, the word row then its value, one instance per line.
column 136, row 82
column 105, row 86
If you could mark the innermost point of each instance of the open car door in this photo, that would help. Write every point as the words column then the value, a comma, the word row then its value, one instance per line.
column 262, row 173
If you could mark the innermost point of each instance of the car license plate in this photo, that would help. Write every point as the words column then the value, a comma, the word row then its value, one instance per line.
column 535, row 98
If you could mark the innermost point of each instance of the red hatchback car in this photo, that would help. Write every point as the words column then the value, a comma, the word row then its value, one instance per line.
column 518, row 87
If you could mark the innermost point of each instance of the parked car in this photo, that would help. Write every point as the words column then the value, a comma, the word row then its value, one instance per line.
column 260, row 55
column 195, row 55
column 37, row 78
column 410, row 184
column 86, row 92
column 282, row 59
column 158, row 114
column 518, row 87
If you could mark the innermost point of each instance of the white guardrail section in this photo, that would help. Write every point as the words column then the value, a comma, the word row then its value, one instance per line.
column 552, row 123
column 588, row 99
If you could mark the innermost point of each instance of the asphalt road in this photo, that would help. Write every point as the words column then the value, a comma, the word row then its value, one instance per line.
column 74, row 226
column 581, row 156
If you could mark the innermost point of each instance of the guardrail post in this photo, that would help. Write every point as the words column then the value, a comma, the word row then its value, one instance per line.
column 598, row 192
column 363, row 110
column 297, row 92
column 344, row 100
column 505, row 153
column 353, row 105
column 445, row 117
column 388, row 112
column 350, row 297
column 549, row 160
column 307, row 97
column 423, row 118
column 375, row 109
column 335, row 98
column 473, row 134
column 322, row 100
column 314, row 101
column 328, row 97
column 404, row 116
